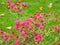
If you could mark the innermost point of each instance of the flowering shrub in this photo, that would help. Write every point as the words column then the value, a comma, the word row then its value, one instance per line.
column 28, row 28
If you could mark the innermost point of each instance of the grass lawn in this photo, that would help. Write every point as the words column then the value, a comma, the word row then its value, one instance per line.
column 50, row 36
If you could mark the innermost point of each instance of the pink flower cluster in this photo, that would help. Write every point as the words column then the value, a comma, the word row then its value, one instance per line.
column 28, row 27
column 15, row 5
column 55, row 27
column 28, row 24
column 37, row 36
column 37, row 20
column 5, row 36
column 25, row 23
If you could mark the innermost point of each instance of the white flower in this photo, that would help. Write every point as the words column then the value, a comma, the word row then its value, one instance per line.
column 1, row 15
column 9, row 27
column 50, row 5
column 41, row 8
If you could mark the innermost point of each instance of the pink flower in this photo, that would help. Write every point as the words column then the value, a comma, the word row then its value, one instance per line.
column 24, row 4
column 21, row 29
column 55, row 27
column 35, row 17
column 8, row 1
column 27, row 24
column 12, row 5
column 36, row 13
column 37, row 36
column 16, row 27
column 17, row 36
column 23, row 33
column 11, row 35
column 26, row 38
column 22, row 22
column 37, row 23
column 5, row 36
column 15, row 7
column 17, row 42
column 30, row 27
column 36, row 39
column 29, row 19
column 41, row 27
column 17, row 24
column 40, row 16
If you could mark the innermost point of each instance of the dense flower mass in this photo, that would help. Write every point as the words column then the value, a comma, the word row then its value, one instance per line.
column 31, row 23
column 15, row 5
column 27, row 29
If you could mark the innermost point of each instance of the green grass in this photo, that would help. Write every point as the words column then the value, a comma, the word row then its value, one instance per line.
column 33, row 5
